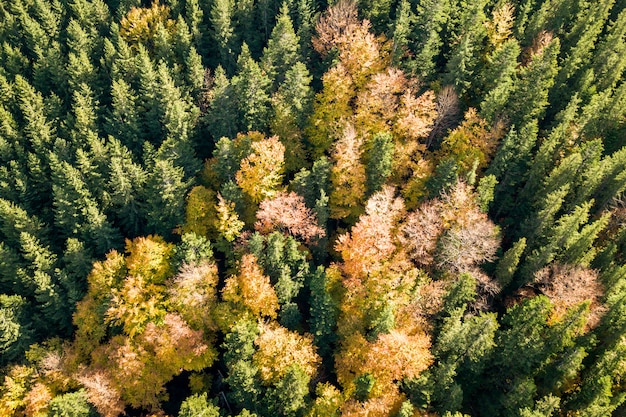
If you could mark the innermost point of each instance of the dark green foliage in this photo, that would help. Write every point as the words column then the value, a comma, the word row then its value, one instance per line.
column 108, row 107
column 364, row 384
column 379, row 164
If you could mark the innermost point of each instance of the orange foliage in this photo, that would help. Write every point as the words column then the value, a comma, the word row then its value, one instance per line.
column 347, row 176
column 378, row 103
column 416, row 115
column 102, row 394
column 391, row 357
column 288, row 212
column 140, row 367
column 370, row 241
column 382, row 406
column 251, row 290
column 279, row 348
column 37, row 400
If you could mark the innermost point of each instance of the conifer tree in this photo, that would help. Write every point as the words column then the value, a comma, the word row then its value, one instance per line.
column 251, row 87
column 222, row 111
column 283, row 49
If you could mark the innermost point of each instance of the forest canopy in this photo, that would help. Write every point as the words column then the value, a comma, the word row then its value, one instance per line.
column 309, row 208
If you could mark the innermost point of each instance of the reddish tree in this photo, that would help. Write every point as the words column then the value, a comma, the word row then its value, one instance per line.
column 288, row 212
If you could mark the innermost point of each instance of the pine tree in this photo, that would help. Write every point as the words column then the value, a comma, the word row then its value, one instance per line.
column 426, row 38
column 507, row 266
column 221, row 116
column 462, row 61
column 380, row 162
column 608, row 60
column 529, row 97
column 165, row 197
column 498, row 79
column 401, row 31
column 17, row 334
column 221, row 18
column 251, row 87
column 283, row 49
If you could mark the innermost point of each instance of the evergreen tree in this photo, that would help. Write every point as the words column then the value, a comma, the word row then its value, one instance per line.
column 221, row 17
column 283, row 49
column 221, row 116
column 251, row 87
column 379, row 162
column 165, row 197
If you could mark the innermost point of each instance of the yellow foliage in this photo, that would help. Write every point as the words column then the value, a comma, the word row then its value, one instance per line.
column 250, row 290
column 107, row 274
column 474, row 140
column 261, row 173
column 499, row 29
column 227, row 221
column 136, row 304
column 279, row 348
column 14, row 389
column 327, row 402
column 149, row 258
column 200, row 212
column 330, row 111
column 140, row 25
column 192, row 292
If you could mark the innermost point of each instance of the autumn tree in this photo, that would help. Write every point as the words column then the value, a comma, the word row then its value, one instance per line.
column 289, row 213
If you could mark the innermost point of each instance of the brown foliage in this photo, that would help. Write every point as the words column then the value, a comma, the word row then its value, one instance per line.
column 288, row 212
column 420, row 232
column 331, row 26
column 568, row 286
column 102, row 394
column 462, row 247
column 453, row 230
column 37, row 400
column 448, row 112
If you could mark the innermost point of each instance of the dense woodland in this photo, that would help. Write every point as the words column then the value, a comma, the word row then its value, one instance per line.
column 307, row 209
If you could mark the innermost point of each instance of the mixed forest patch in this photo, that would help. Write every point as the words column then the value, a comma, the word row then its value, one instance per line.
column 304, row 208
